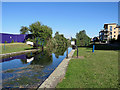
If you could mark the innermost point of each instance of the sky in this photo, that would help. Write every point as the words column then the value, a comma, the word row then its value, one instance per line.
column 67, row 18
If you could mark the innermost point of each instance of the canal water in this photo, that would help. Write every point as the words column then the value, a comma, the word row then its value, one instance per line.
column 30, row 70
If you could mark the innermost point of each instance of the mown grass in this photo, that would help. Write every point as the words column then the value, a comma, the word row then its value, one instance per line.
column 96, row 70
column 14, row 47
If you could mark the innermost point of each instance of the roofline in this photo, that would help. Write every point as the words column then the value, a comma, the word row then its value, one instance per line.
column 103, row 31
column 110, row 23
column 12, row 34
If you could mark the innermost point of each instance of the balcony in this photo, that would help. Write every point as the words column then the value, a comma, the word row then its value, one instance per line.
column 106, row 34
column 104, row 31
column 105, row 37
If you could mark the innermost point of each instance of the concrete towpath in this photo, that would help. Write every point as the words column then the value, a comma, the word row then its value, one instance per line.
column 57, row 75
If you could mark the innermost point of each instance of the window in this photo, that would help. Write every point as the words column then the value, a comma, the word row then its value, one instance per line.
column 110, row 33
column 110, row 37
column 110, row 28
column 114, row 35
column 114, row 32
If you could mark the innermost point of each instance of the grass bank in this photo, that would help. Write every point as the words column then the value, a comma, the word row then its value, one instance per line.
column 95, row 70
column 14, row 47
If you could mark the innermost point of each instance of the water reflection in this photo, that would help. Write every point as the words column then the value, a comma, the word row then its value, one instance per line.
column 59, row 50
column 37, row 58
column 31, row 69
column 42, row 58
column 22, row 57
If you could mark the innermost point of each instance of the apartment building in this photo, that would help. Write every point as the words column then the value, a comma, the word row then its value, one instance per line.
column 110, row 31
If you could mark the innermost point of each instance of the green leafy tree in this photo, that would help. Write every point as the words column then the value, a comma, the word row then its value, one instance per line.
column 40, row 32
column 73, row 39
column 57, row 33
column 24, row 30
column 60, row 39
column 36, row 29
column 82, row 38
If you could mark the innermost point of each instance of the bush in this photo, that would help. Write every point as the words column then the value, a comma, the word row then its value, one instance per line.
column 112, row 40
column 12, row 41
column 29, row 40
column 118, row 40
column 5, row 41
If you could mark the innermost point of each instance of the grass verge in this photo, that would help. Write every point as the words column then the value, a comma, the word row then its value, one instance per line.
column 95, row 70
column 14, row 47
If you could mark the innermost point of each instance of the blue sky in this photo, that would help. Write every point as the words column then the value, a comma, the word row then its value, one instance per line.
column 66, row 17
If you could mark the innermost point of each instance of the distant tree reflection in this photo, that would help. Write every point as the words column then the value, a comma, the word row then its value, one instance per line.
column 42, row 58
column 59, row 50
column 24, row 61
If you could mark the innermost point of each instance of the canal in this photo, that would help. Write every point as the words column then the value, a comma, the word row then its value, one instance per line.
column 30, row 70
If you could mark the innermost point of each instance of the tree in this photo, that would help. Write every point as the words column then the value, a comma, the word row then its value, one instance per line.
column 47, row 32
column 24, row 30
column 40, row 32
column 57, row 33
column 35, row 29
column 82, row 38
column 96, row 39
column 60, row 39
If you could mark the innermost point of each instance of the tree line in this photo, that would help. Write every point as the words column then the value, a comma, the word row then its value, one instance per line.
column 43, row 33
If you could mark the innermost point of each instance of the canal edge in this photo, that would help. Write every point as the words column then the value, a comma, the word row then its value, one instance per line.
column 58, row 74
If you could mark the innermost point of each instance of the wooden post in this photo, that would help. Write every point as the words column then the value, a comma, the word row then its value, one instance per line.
column 67, row 53
column 42, row 48
column 77, row 52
